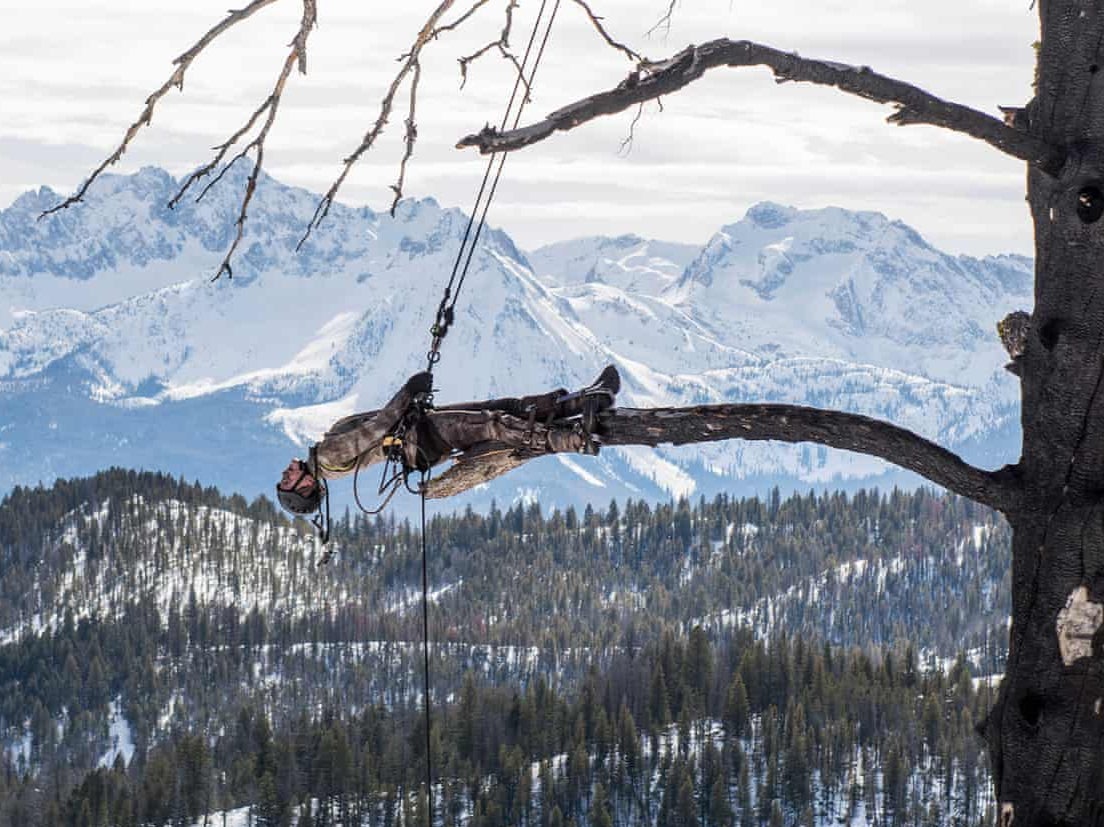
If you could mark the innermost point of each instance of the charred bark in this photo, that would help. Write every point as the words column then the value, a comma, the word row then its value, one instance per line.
column 1046, row 732
column 795, row 423
column 653, row 80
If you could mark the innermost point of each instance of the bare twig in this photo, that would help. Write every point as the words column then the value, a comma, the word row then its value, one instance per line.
column 221, row 151
column 626, row 145
column 503, row 46
column 506, row 53
column 408, row 61
column 597, row 23
column 448, row 27
column 794, row 423
column 914, row 105
column 409, row 138
column 182, row 63
column 664, row 22
column 296, row 57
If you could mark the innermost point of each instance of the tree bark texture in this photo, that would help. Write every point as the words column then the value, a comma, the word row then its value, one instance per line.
column 913, row 105
column 1046, row 731
column 797, row 423
column 787, row 423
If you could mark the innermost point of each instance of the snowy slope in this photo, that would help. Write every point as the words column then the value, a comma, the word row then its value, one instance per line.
column 116, row 348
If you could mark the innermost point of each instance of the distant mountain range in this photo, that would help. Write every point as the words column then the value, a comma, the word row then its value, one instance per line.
column 116, row 348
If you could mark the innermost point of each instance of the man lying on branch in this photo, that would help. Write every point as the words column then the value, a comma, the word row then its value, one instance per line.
column 489, row 438
column 485, row 438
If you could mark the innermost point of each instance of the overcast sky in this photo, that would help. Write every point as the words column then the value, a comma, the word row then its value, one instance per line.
column 75, row 74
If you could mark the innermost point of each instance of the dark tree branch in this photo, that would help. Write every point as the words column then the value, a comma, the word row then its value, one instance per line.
column 270, row 104
column 176, row 79
column 914, row 105
column 794, row 423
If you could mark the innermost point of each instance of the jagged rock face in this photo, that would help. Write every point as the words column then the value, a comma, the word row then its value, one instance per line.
column 115, row 347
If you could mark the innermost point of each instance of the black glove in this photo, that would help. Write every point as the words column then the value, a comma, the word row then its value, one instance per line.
column 420, row 383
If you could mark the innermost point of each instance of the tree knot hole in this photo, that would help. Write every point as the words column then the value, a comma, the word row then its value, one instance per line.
column 1049, row 333
column 1093, row 69
column 1090, row 204
column 1031, row 707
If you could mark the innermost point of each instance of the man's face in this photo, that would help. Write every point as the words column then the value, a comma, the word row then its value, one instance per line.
column 296, row 478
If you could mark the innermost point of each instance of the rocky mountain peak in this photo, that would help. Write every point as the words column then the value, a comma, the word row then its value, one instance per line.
column 111, row 328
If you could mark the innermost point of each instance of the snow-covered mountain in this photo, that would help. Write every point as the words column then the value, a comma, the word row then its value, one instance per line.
column 116, row 348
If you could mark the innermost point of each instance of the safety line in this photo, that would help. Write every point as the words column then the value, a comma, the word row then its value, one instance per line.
column 444, row 316
column 425, row 657
column 502, row 155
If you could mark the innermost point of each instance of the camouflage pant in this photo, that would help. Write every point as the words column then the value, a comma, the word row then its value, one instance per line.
column 527, row 423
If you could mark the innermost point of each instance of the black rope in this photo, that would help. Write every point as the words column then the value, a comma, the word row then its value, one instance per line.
column 445, row 315
column 446, row 309
column 425, row 651
column 502, row 155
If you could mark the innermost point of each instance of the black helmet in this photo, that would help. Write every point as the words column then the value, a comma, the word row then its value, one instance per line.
column 299, row 503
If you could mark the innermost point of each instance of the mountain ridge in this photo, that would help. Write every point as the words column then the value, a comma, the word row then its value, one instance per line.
column 108, row 308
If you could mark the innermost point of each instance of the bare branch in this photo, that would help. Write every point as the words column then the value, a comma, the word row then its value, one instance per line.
column 914, row 105
column 626, row 145
column 296, row 57
column 794, row 423
column 408, row 61
column 506, row 53
column 503, row 46
column 222, row 149
column 597, row 23
column 664, row 21
column 176, row 79
column 448, row 27
column 410, row 137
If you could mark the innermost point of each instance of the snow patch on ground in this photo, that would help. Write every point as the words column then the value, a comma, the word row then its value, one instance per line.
column 122, row 740
column 573, row 466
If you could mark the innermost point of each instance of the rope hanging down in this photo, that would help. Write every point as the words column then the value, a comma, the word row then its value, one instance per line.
column 444, row 319
column 446, row 309
column 425, row 655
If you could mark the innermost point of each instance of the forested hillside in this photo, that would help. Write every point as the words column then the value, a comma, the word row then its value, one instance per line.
column 172, row 652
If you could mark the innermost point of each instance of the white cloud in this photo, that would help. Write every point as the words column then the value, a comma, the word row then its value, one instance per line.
column 76, row 73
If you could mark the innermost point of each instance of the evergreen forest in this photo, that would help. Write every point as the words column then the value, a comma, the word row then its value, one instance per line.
column 173, row 656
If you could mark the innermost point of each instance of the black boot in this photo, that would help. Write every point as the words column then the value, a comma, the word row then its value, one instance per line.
column 591, row 400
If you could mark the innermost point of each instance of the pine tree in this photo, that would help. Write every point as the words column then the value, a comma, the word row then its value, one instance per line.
column 737, row 710
column 600, row 815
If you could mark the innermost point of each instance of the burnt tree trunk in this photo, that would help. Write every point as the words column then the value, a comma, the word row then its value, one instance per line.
column 1046, row 732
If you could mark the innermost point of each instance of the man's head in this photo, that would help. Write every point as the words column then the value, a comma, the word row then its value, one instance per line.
column 298, row 491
